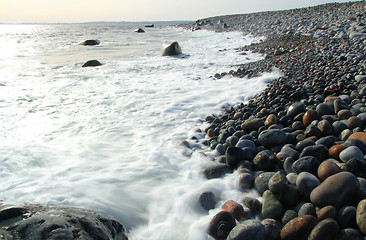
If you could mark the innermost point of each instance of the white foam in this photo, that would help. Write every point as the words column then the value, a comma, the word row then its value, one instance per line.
column 106, row 138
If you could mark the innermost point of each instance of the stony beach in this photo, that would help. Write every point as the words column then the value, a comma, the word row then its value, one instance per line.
column 301, row 143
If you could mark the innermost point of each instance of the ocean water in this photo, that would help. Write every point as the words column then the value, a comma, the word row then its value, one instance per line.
column 106, row 138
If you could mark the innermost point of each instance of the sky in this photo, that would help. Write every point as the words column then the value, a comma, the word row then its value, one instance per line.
column 67, row 11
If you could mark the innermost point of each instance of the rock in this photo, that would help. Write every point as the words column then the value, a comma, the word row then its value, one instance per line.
column 338, row 190
column 327, row 141
column 35, row 221
column 362, row 182
column 270, row 120
column 347, row 217
column 216, row 170
column 298, row 228
column 349, row 234
column 357, row 167
column 361, row 216
column 306, row 164
column 306, row 182
column 335, row 150
column 272, row 137
column 324, row 109
column 295, row 109
column 338, row 127
column 320, row 152
column 325, row 128
column 92, row 63
column 140, row 30
column 253, row 204
column 264, row 160
column 235, row 209
column 221, row 225
column 252, row 125
column 351, row 152
column 303, row 144
column 307, row 209
column 261, row 181
column 170, row 49
column 326, row 169
column 290, row 197
column 326, row 229
column 344, row 114
column 356, row 142
column 245, row 143
column 249, row 229
column 287, row 165
column 246, row 181
column 271, row 207
column 360, row 78
column 207, row 200
column 310, row 116
column 354, row 122
column 272, row 229
column 339, row 105
column 277, row 183
column 313, row 131
column 326, row 212
column 290, row 151
column 90, row 42
column 234, row 156
column 288, row 216
column 359, row 135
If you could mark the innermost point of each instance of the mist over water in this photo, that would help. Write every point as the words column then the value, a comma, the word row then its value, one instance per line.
column 106, row 138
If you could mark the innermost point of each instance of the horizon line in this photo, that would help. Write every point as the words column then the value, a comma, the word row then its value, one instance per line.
column 95, row 22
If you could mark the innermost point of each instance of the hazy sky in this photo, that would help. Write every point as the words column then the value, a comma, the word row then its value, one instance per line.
column 136, row 10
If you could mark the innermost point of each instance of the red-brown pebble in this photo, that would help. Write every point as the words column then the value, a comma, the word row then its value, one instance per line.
column 235, row 209
column 359, row 135
column 326, row 169
column 310, row 116
column 298, row 228
column 335, row 150
column 326, row 212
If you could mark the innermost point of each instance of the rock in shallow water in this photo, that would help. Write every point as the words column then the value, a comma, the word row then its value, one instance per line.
column 249, row 229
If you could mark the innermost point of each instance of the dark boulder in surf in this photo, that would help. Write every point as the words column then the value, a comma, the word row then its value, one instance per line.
column 170, row 49
column 150, row 26
column 140, row 30
column 92, row 63
column 90, row 42
column 36, row 221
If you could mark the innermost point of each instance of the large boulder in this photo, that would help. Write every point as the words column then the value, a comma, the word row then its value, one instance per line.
column 170, row 49
column 90, row 42
column 35, row 221
column 92, row 63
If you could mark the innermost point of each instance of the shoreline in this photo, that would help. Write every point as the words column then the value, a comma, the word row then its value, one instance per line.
column 301, row 143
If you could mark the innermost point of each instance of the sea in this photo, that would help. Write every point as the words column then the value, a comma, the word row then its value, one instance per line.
column 107, row 138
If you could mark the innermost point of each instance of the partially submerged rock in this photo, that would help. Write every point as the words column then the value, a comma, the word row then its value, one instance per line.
column 90, row 42
column 36, row 221
column 140, row 30
column 92, row 63
column 170, row 49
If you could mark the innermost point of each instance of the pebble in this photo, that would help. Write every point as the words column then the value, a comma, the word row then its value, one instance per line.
column 338, row 190
column 216, row 171
column 277, row 183
column 246, row 181
column 306, row 182
column 264, row 161
column 253, row 204
column 288, row 216
column 361, row 216
column 320, row 152
column 221, row 225
column 261, row 181
column 326, row 169
column 335, row 150
column 349, row 234
column 326, row 229
column 298, row 228
column 351, row 152
column 347, row 217
column 249, row 229
column 234, row 156
column 207, row 200
column 307, row 209
column 272, row 137
column 271, row 206
column 359, row 135
column 326, row 212
column 235, row 209
column 290, row 197
column 272, row 229
column 309, row 116
column 306, row 164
